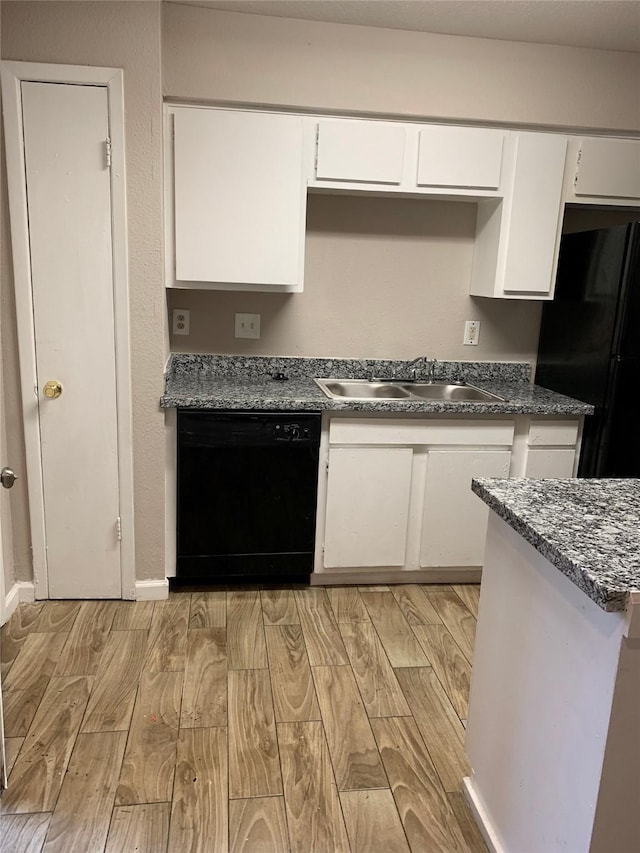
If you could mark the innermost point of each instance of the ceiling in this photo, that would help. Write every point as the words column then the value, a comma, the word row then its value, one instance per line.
column 606, row 24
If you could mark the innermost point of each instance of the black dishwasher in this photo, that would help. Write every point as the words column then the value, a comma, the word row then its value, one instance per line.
column 247, row 486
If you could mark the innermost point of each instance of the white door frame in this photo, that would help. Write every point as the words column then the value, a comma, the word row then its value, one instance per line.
column 13, row 74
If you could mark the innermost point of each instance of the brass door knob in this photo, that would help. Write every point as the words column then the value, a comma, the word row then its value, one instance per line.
column 52, row 389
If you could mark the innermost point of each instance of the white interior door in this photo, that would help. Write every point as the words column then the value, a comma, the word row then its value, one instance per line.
column 66, row 128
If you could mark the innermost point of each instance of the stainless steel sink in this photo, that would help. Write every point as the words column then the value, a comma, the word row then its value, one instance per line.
column 366, row 389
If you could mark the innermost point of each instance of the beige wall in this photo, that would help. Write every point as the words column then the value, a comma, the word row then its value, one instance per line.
column 211, row 55
column 122, row 35
column 385, row 278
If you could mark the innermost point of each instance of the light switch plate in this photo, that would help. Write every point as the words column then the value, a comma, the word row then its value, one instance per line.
column 180, row 321
column 247, row 326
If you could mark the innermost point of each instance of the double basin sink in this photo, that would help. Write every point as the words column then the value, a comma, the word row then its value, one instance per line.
column 379, row 389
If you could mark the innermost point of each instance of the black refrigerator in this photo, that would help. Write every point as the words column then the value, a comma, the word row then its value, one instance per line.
column 590, row 344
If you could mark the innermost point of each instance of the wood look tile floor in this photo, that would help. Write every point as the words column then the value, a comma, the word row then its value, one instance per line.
column 271, row 720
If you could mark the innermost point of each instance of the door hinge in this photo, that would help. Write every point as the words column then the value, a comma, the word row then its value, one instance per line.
column 315, row 164
column 119, row 528
column 575, row 180
column 107, row 151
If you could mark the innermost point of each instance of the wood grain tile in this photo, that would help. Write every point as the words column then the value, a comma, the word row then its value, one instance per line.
column 116, row 683
column 469, row 594
column 35, row 783
column 19, row 709
column 459, row 621
column 208, row 609
column 414, row 604
column 246, row 648
column 15, row 631
column 346, row 604
column 396, row 636
column 143, row 829
column 294, row 697
column 57, row 616
column 426, row 815
column 133, row 616
column 374, row 588
column 377, row 682
column 149, row 760
column 258, row 825
column 199, row 812
column 468, row 826
column 449, row 664
column 314, row 815
column 354, row 755
column 82, row 814
column 167, row 645
column 204, row 697
column 321, row 634
column 373, row 822
column 23, row 833
column 35, row 664
column 28, row 679
column 12, row 747
column 85, row 643
column 438, row 723
column 279, row 607
column 254, row 768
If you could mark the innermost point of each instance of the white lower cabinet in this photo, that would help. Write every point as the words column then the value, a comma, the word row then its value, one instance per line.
column 368, row 496
column 395, row 495
column 454, row 521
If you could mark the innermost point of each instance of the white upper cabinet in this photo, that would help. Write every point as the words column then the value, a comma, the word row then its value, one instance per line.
column 460, row 157
column 517, row 237
column 239, row 200
column 607, row 169
column 367, row 151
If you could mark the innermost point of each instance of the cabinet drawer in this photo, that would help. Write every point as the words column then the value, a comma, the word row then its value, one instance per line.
column 460, row 157
column 543, row 462
column 553, row 433
column 408, row 432
column 370, row 152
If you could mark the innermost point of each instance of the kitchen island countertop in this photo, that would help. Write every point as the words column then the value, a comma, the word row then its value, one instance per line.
column 588, row 529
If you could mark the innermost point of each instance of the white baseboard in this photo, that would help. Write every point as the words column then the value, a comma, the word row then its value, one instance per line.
column 480, row 816
column 155, row 590
column 22, row 592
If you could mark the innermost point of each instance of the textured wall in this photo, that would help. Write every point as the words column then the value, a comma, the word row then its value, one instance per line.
column 121, row 35
column 211, row 55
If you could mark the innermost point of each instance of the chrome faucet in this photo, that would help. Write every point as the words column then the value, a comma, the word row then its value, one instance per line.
column 412, row 368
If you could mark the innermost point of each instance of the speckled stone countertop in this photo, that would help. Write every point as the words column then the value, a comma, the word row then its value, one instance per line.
column 244, row 382
column 588, row 529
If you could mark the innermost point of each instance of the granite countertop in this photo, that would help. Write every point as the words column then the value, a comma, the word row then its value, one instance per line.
column 238, row 382
column 588, row 529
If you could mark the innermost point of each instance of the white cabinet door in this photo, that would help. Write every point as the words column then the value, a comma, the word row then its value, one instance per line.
column 360, row 151
column 454, row 525
column 608, row 168
column 239, row 197
column 517, row 239
column 368, row 493
column 460, row 157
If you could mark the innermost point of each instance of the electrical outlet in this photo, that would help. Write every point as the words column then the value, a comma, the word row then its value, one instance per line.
column 247, row 325
column 180, row 321
column 471, row 333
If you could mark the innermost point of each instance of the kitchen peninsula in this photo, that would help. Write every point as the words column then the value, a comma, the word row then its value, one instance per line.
column 553, row 732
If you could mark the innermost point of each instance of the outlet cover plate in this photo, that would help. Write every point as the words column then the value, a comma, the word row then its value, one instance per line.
column 180, row 321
